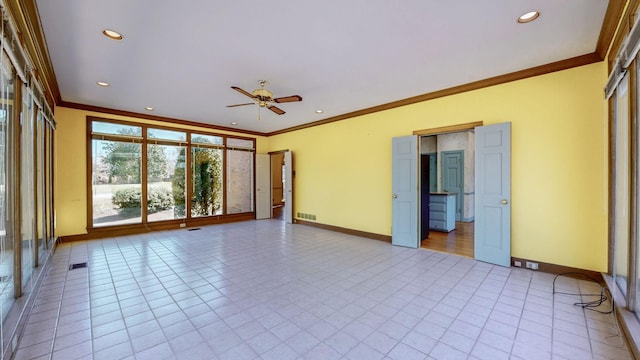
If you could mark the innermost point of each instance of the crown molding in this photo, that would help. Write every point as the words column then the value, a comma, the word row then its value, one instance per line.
column 497, row 80
column 136, row 115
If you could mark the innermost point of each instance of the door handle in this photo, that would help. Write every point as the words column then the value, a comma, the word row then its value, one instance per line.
column 395, row 196
column 504, row 201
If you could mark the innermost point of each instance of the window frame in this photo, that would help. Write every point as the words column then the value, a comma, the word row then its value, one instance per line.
column 146, row 225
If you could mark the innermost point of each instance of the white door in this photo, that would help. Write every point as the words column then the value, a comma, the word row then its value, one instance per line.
column 263, row 186
column 288, row 187
column 404, row 188
column 492, row 233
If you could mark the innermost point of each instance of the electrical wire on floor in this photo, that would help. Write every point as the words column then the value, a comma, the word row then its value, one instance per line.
column 604, row 295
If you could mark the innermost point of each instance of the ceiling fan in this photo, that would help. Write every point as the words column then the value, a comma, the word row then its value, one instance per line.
column 264, row 98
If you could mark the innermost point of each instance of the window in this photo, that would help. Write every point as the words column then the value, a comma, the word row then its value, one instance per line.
column 146, row 174
column 7, row 186
column 166, row 177
column 165, row 195
column 621, row 185
column 116, row 174
column 27, row 210
column 239, row 176
column 206, row 194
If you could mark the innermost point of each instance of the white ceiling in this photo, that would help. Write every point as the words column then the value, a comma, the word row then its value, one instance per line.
column 182, row 57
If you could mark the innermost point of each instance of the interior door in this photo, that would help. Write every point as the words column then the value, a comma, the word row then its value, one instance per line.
column 404, row 186
column 453, row 177
column 263, row 186
column 288, row 187
column 492, row 235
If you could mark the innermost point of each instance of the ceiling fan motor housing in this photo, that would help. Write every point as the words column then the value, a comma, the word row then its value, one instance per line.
column 262, row 94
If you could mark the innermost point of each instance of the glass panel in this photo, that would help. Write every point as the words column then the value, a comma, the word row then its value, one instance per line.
column 40, row 211
column 240, row 143
column 239, row 181
column 27, row 210
column 116, row 186
column 49, row 186
column 166, row 191
column 107, row 128
column 206, row 139
column 621, row 186
column 7, row 193
column 160, row 134
column 206, row 198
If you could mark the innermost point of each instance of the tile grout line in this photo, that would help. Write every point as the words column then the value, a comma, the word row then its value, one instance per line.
column 492, row 309
column 64, row 285
column 520, row 320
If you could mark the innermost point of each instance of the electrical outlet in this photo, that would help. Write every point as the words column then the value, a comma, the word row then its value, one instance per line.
column 182, row 225
column 532, row 265
column 517, row 263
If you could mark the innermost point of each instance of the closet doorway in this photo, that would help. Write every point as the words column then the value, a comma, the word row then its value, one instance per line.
column 447, row 181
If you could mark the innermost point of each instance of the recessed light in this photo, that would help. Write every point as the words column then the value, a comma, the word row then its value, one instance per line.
column 111, row 34
column 148, row 108
column 234, row 123
column 528, row 17
column 319, row 111
column 102, row 83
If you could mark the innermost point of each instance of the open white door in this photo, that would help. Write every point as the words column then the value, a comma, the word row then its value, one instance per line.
column 263, row 186
column 492, row 235
column 288, row 187
column 404, row 187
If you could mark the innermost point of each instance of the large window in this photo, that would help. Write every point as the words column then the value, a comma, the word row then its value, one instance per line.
column 239, row 176
column 621, row 184
column 26, row 183
column 116, row 174
column 7, row 186
column 144, row 174
column 27, row 208
column 166, row 192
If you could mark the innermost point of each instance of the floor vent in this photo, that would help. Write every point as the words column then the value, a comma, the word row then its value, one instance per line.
column 77, row 266
column 5, row 278
column 193, row 229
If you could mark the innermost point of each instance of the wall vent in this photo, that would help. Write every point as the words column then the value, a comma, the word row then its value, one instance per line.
column 306, row 216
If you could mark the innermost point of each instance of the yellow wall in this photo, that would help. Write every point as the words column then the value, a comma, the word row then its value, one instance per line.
column 70, row 166
column 343, row 169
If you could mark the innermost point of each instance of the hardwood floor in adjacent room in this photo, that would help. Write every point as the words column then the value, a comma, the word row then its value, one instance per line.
column 458, row 241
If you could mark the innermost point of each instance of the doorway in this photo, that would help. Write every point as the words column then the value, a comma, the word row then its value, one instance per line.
column 447, row 186
column 274, row 186
column 277, row 186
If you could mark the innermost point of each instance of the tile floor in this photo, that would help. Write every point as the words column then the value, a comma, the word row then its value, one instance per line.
column 269, row 290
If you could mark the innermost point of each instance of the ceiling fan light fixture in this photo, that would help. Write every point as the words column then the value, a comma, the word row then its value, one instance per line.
column 112, row 34
column 528, row 17
column 262, row 94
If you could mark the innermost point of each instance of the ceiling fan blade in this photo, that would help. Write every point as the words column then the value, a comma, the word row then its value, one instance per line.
column 276, row 110
column 243, row 92
column 285, row 99
column 240, row 104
